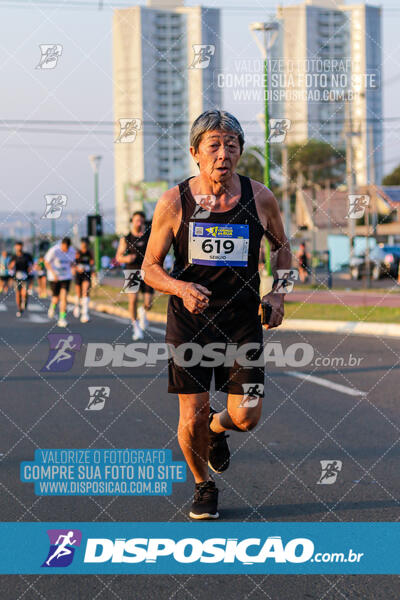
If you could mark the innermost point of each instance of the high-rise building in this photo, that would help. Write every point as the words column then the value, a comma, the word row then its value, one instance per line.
column 327, row 55
column 161, row 84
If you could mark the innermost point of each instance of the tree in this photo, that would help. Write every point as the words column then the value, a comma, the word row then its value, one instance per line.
column 250, row 166
column 393, row 178
column 316, row 160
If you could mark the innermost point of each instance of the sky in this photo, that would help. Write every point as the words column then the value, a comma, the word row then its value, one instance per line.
column 80, row 88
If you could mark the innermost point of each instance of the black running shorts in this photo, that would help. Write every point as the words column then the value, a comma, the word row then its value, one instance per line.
column 233, row 330
column 81, row 277
column 56, row 286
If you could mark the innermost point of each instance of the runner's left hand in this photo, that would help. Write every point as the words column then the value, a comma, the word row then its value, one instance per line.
column 277, row 303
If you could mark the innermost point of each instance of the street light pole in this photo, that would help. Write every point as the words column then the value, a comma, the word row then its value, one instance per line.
column 95, row 162
column 264, row 46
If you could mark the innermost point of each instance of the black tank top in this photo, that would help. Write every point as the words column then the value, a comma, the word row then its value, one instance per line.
column 136, row 244
column 233, row 287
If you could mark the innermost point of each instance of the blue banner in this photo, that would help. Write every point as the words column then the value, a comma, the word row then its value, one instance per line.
column 200, row 548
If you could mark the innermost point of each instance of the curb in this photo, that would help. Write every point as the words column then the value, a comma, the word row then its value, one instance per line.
column 350, row 327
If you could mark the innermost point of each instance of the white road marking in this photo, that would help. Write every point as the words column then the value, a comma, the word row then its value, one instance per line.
column 326, row 383
column 3, row 308
column 156, row 330
column 38, row 319
column 126, row 321
column 35, row 308
column 112, row 317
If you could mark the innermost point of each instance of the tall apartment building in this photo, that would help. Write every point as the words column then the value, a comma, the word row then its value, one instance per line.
column 153, row 82
column 312, row 36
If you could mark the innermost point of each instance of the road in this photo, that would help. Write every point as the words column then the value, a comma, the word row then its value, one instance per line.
column 347, row 411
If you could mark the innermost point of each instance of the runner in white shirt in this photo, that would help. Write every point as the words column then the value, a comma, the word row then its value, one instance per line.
column 59, row 262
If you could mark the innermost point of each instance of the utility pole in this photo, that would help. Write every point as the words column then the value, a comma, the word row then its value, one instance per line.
column 371, row 208
column 314, row 212
column 285, row 191
column 265, row 29
column 33, row 234
column 95, row 162
column 349, row 167
column 372, row 181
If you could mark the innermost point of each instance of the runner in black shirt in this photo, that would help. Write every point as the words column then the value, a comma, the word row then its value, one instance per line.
column 83, row 275
column 130, row 254
column 21, row 266
column 214, row 295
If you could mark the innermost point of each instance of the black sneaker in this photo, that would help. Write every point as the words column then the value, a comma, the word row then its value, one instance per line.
column 205, row 501
column 218, row 451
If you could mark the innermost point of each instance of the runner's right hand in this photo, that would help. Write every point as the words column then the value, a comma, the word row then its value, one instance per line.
column 195, row 297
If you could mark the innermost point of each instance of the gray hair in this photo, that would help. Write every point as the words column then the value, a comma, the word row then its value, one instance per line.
column 215, row 119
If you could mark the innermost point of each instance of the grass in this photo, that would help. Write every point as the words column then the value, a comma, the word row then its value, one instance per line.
column 112, row 295
column 293, row 310
column 339, row 312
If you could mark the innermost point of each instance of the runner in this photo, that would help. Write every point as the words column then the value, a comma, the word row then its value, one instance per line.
column 58, row 261
column 4, row 272
column 84, row 268
column 40, row 270
column 130, row 254
column 302, row 258
column 21, row 266
column 214, row 289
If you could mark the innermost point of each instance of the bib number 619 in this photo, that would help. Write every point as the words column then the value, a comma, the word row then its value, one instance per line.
column 215, row 246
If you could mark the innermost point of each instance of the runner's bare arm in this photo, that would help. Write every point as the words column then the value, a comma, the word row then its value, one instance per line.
column 166, row 221
column 270, row 217
column 50, row 269
column 281, row 256
column 120, row 255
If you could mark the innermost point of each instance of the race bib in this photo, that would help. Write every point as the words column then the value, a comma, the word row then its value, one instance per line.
column 21, row 275
column 218, row 244
column 85, row 268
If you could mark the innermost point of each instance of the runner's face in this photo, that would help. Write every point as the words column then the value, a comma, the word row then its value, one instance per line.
column 137, row 223
column 64, row 247
column 218, row 154
column 18, row 249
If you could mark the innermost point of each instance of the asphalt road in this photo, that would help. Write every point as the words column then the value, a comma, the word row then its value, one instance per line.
column 345, row 413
